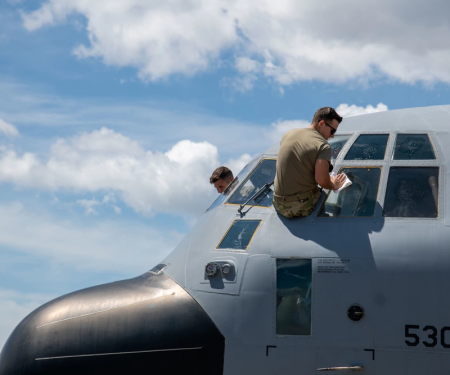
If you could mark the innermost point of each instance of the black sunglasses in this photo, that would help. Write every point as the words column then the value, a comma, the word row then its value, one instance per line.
column 333, row 130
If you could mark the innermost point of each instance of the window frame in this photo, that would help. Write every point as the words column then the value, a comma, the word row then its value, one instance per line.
column 344, row 149
column 274, row 316
column 353, row 216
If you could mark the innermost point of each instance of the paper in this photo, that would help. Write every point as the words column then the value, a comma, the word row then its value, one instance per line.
column 347, row 182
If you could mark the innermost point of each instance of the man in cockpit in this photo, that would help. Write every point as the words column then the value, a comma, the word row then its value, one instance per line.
column 221, row 178
column 303, row 163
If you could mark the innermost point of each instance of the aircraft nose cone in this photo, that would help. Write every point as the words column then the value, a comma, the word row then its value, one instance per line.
column 147, row 324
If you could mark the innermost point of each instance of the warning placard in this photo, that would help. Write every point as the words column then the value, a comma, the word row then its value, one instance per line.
column 333, row 265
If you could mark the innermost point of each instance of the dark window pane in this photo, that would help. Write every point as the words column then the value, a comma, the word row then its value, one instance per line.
column 239, row 235
column 294, row 283
column 359, row 199
column 337, row 144
column 412, row 192
column 368, row 147
column 263, row 173
column 413, row 147
column 230, row 188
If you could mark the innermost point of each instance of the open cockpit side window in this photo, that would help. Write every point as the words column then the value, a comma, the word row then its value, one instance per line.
column 294, row 295
column 264, row 173
column 368, row 147
column 412, row 192
column 359, row 199
column 413, row 147
column 232, row 186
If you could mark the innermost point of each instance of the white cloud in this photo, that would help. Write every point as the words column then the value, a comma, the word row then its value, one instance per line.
column 287, row 41
column 346, row 110
column 236, row 165
column 89, row 205
column 282, row 126
column 160, row 38
column 176, row 181
column 15, row 306
column 246, row 65
column 241, row 83
column 8, row 129
column 109, row 199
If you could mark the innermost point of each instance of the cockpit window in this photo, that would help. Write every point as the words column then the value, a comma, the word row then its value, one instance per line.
column 263, row 174
column 337, row 144
column 368, row 147
column 294, row 295
column 239, row 235
column 413, row 147
column 230, row 188
column 359, row 199
column 412, row 192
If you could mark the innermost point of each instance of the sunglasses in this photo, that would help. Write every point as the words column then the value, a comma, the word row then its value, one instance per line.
column 333, row 130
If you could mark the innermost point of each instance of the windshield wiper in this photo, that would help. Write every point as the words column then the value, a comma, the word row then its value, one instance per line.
column 256, row 195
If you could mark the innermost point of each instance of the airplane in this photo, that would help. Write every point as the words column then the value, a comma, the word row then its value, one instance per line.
column 360, row 285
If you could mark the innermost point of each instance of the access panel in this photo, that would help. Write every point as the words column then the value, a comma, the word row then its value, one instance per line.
column 342, row 314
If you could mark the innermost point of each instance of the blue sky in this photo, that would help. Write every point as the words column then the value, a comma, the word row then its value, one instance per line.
column 114, row 113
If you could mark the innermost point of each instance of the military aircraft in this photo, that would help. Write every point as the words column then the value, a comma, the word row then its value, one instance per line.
column 362, row 284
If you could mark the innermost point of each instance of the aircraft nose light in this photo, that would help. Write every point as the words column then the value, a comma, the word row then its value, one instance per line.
column 211, row 269
column 355, row 313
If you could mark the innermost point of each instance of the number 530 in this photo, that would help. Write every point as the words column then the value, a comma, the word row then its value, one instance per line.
column 432, row 332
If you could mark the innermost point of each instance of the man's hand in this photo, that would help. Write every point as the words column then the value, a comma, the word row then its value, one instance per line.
column 338, row 181
column 322, row 176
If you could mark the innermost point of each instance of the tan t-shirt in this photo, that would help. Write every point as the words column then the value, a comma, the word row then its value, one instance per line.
column 299, row 150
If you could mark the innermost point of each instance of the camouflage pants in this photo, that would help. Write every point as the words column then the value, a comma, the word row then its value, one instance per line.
column 300, row 205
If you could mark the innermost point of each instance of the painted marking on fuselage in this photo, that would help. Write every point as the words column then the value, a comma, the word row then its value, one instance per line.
column 333, row 265
column 267, row 349
column 413, row 338
column 373, row 353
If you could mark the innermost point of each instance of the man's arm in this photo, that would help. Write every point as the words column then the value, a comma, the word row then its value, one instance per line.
column 323, row 178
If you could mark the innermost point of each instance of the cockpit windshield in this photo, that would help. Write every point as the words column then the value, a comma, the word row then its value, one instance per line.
column 230, row 188
column 264, row 173
column 412, row 192
column 413, row 147
column 368, row 147
column 359, row 199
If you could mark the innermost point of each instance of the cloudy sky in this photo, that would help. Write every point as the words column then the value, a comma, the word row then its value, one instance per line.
column 113, row 114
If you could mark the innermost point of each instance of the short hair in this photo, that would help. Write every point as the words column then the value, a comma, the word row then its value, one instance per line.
column 326, row 113
column 221, row 172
